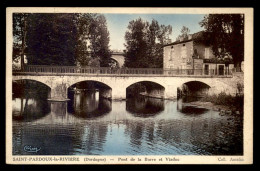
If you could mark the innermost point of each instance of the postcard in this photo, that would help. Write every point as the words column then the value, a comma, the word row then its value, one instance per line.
column 129, row 85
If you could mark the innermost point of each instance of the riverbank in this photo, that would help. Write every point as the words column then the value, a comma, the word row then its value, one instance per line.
column 225, row 104
column 210, row 105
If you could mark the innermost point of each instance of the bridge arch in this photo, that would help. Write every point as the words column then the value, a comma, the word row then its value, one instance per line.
column 91, row 80
column 193, row 88
column 30, row 87
column 146, row 88
column 115, row 61
column 103, row 89
column 118, row 58
column 73, row 81
column 89, row 98
column 34, row 80
column 140, row 80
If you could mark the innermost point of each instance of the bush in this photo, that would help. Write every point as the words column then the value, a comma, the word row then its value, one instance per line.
column 225, row 99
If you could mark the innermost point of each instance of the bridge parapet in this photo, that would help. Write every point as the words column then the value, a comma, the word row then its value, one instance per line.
column 98, row 71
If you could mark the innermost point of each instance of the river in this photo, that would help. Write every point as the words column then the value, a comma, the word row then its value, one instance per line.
column 90, row 125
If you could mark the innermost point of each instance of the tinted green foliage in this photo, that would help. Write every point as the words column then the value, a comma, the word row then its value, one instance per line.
column 236, row 102
column 184, row 33
column 99, row 40
column 51, row 39
column 144, row 42
column 19, row 36
column 226, row 33
column 61, row 39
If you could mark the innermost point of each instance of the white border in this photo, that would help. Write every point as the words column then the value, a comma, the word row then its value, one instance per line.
column 248, row 87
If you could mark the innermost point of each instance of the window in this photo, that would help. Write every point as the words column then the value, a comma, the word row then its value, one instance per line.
column 195, row 52
column 206, row 69
column 171, row 53
column 206, row 53
column 183, row 52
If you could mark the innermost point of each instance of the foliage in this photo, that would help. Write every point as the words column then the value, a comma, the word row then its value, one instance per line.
column 19, row 36
column 143, row 43
column 51, row 39
column 62, row 39
column 94, row 62
column 99, row 40
column 184, row 33
column 226, row 35
column 82, row 52
column 226, row 99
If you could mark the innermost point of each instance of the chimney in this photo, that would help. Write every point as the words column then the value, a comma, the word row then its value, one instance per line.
column 181, row 38
column 168, row 41
column 189, row 37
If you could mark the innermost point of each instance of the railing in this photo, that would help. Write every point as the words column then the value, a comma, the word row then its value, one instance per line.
column 72, row 70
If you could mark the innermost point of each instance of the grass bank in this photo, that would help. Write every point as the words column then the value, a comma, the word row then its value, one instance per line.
column 222, row 102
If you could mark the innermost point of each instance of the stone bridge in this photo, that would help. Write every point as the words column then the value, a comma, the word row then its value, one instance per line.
column 60, row 81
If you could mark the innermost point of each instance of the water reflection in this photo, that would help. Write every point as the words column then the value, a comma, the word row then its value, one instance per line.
column 188, row 109
column 29, row 100
column 170, row 130
column 28, row 109
column 144, row 106
column 61, row 139
column 187, row 99
column 59, row 108
column 88, row 104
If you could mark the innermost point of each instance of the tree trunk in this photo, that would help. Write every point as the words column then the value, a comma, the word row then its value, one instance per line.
column 238, row 67
column 21, row 112
column 23, row 45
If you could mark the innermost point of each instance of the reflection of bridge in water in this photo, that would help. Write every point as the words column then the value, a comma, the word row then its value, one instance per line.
column 144, row 107
column 59, row 79
column 88, row 105
column 84, row 106
column 29, row 109
column 74, row 135
column 51, row 112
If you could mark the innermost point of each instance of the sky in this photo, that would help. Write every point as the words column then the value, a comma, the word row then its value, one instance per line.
column 117, row 25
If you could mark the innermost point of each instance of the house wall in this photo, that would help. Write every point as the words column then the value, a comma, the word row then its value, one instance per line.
column 201, row 50
column 214, row 68
column 198, row 63
column 178, row 56
column 182, row 57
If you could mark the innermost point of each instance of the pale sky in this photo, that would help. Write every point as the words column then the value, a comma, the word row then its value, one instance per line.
column 117, row 25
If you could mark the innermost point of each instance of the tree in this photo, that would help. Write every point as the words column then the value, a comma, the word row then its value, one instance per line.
column 184, row 32
column 51, row 39
column 19, row 36
column 61, row 39
column 226, row 33
column 82, row 52
column 143, row 43
column 99, row 39
column 93, row 40
column 136, row 46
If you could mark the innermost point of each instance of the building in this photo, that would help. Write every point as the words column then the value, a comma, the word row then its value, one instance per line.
column 194, row 52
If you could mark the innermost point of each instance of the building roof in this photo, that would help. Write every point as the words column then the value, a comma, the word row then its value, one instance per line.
column 195, row 36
